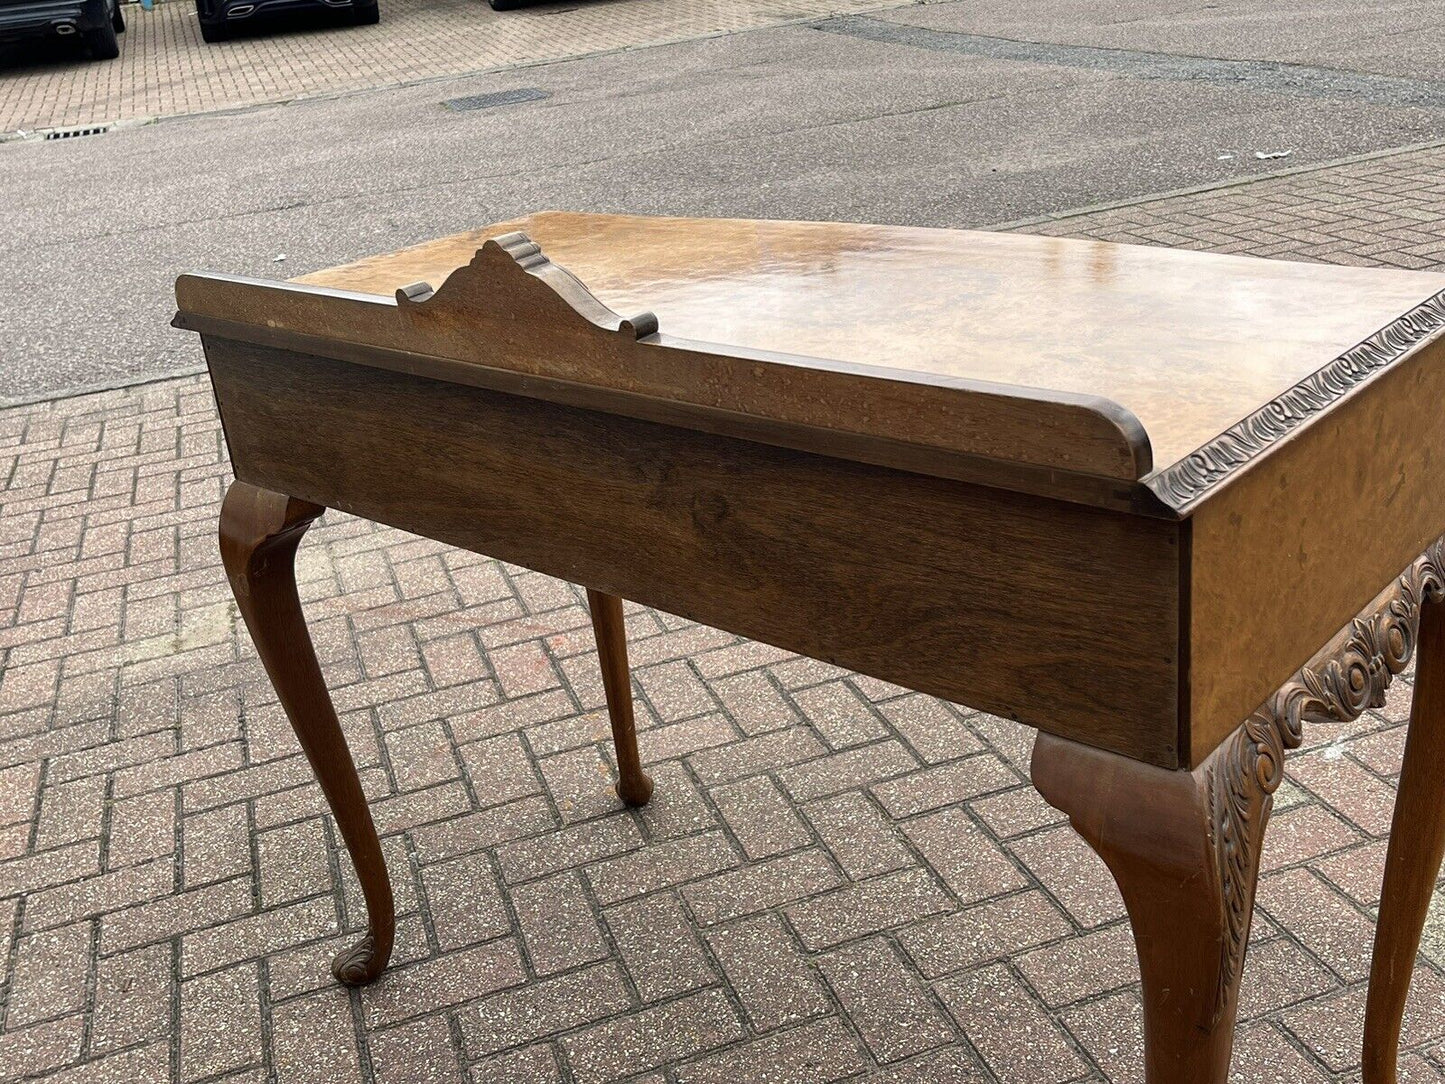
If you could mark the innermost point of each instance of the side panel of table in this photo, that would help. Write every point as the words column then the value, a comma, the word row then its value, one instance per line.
column 1290, row 551
column 1063, row 616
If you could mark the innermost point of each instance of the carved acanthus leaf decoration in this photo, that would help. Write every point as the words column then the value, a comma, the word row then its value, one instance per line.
column 1349, row 676
column 1182, row 483
column 354, row 966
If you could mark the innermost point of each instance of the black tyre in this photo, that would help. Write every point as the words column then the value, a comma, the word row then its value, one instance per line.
column 117, row 20
column 507, row 5
column 102, row 42
column 366, row 14
column 214, row 32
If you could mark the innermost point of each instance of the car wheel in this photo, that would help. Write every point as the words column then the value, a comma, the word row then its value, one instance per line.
column 102, row 42
column 214, row 32
column 506, row 5
column 366, row 14
column 117, row 20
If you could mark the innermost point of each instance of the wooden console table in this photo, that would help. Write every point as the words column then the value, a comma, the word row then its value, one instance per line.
column 1143, row 500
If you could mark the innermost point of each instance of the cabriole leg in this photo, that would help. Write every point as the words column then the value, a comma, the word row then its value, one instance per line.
column 1417, row 843
column 1184, row 849
column 634, row 786
column 260, row 531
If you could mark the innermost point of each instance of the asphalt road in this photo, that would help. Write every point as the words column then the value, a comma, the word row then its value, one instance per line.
column 961, row 114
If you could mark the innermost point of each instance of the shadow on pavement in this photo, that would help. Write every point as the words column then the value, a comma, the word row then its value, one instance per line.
column 46, row 53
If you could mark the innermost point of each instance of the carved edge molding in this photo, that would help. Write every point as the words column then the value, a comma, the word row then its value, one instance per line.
column 499, row 260
column 1349, row 676
column 1205, row 467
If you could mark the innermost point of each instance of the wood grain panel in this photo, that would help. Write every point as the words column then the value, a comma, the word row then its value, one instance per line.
column 1056, row 614
column 512, row 310
column 1291, row 549
column 1188, row 342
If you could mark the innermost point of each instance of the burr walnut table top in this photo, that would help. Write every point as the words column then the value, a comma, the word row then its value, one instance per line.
column 1188, row 343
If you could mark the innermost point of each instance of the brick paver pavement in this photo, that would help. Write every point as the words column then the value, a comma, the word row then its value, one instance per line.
column 1383, row 209
column 165, row 69
column 837, row 878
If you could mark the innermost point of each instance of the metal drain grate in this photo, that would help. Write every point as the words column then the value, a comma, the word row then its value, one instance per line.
column 491, row 101
column 77, row 131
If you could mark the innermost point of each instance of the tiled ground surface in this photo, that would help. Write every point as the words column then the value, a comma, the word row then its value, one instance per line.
column 837, row 879
column 165, row 69
column 1382, row 210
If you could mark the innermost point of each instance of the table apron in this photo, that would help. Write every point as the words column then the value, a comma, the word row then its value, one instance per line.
column 1059, row 615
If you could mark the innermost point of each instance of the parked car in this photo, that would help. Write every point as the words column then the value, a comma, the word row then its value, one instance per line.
column 219, row 17
column 94, row 22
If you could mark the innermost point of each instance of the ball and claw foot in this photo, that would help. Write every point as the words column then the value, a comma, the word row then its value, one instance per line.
column 635, row 792
column 359, row 964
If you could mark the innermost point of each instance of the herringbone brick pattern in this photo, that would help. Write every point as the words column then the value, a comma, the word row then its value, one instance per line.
column 837, row 879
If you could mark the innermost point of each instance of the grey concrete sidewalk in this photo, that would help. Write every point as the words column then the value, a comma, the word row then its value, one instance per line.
column 166, row 70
